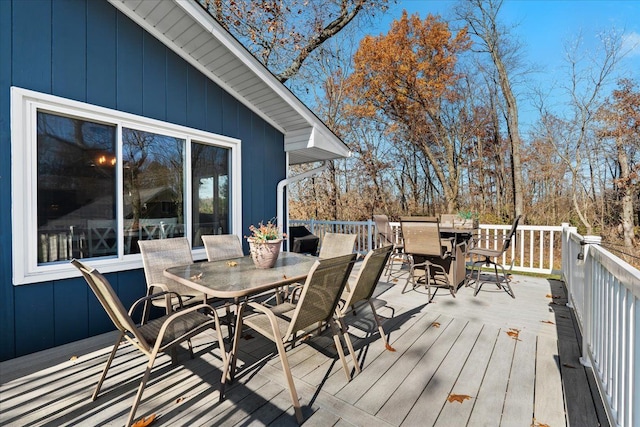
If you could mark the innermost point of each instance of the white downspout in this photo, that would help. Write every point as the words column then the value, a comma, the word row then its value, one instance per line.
column 281, row 187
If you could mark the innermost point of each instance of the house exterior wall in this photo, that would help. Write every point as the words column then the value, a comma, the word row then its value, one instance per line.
column 86, row 50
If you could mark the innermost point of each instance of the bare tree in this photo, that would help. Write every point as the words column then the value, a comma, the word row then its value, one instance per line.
column 482, row 19
column 283, row 34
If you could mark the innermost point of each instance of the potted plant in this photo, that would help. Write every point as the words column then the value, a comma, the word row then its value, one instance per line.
column 264, row 243
column 467, row 219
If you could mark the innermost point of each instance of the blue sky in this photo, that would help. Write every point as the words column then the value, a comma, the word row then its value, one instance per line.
column 543, row 28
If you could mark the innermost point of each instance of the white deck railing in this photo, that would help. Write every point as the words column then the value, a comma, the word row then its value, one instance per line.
column 535, row 250
column 605, row 293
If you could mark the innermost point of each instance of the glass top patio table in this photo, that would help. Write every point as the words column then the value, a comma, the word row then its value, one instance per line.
column 238, row 277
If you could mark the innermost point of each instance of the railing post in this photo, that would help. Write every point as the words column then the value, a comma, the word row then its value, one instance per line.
column 370, row 234
column 587, row 296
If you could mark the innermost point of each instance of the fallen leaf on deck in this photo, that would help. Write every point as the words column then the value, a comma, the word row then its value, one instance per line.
column 554, row 296
column 436, row 324
column 395, row 280
column 514, row 333
column 566, row 365
column 232, row 263
column 181, row 399
column 284, row 276
column 458, row 398
column 73, row 358
column 537, row 424
column 548, row 321
column 388, row 346
column 143, row 422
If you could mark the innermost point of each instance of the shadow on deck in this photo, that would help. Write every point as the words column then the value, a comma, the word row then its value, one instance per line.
column 485, row 360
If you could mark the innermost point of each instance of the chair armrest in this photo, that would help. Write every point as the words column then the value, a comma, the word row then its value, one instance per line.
column 165, row 294
column 271, row 316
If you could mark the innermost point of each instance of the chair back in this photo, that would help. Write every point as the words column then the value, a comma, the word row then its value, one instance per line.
column 370, row 272
column 384, row 229
column 337, row 244
column 321, row 292
column 507, row 242
column 158, row 255
column 421, row 235
column 222, row 246
column 109, row 301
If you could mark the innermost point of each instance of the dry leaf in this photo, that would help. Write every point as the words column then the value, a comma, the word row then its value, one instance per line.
column 196, row 276
column 458, row 398
column 388, row 346
column 514, row 333
column 284, row 276
column 554, row 296
column 436, row 324
column 232, row 263
column 73, row 358
column 537, row 424
column 548, row 321
column 181, row 399
column 144, row 422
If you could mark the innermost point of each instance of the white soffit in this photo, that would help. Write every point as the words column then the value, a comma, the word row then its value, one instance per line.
column 186, row 28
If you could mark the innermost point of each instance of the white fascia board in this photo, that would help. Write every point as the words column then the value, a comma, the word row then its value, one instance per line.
column 211, row 25
column 122, row 7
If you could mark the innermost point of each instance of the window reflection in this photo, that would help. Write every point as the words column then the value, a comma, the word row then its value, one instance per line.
column 76, row 188
column 210, row 177
column 153, row 174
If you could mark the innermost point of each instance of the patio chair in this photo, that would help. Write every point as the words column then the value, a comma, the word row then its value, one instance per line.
column 387, row 237
column 365, row 284
column 152, row 337
column 222, row 246
column 316, row 305
column 429, row 252
column 337, row 244
column 158, row 255
column 489, row 258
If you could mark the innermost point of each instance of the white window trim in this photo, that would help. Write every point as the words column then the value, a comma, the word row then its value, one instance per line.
column 24, row 105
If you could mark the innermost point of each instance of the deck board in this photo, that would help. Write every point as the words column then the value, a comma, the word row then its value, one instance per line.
column 452, row 346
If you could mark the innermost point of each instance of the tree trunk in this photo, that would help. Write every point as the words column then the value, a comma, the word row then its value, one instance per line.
column 627, row 195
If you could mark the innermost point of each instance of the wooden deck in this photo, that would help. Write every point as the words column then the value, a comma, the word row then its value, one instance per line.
column 511, row 362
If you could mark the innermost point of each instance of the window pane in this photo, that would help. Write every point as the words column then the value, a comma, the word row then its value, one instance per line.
column 76, row 188
column 152, row 167
column 210, row 177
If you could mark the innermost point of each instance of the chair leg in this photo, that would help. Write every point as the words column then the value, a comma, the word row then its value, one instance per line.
column 379, row 323
column 289, row 378
column 342, row 330
column 143, row 383
column 107, row 366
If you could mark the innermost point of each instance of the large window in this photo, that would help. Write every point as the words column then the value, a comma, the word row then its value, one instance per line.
column 89, row 182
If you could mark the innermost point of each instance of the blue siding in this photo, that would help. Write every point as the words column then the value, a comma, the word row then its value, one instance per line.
column 88, row 51
column 7, row 344
column 68, row 45
column 101, row 54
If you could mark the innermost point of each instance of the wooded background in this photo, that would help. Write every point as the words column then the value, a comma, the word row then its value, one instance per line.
column 430, row 110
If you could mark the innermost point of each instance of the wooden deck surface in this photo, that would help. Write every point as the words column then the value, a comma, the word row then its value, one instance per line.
column 488, row 360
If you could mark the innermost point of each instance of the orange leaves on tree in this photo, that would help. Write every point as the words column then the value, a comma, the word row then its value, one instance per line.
column 458, row 398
